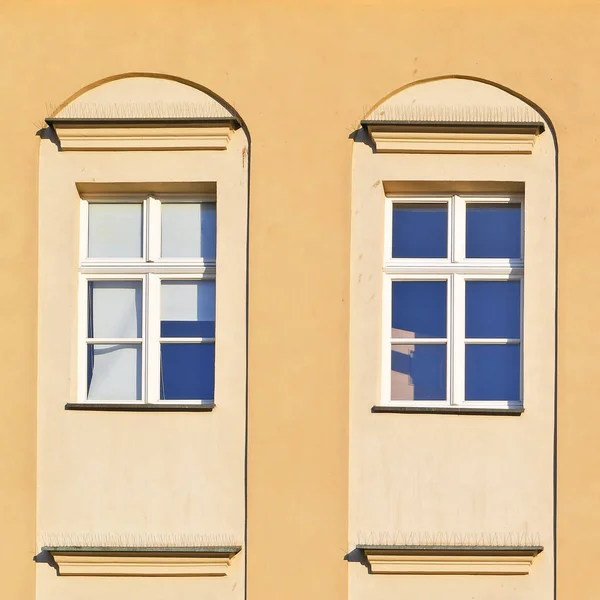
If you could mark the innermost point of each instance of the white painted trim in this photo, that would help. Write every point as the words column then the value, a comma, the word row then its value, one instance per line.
column 150, row 270
column 150, row 562
column 127, row 137
column 455, row 270
column 458, row 139
column 440, row 561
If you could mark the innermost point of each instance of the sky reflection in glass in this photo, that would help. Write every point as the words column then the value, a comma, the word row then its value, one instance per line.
column 419, row 309
column 493, row 309
column 187, row 371
column 493, row 372
column 420, row 231
column 493, row 230
column 419, row 372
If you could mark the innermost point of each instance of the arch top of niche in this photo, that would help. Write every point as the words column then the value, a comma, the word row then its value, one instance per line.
column 454, row 115
column 144, row 113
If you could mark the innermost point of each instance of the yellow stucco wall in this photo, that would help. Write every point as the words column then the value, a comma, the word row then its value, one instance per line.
column 302, row 74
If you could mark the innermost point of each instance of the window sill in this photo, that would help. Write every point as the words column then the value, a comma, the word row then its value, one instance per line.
column 449, row 410
column 450, row 560
column 140, row 407
column 150, row 561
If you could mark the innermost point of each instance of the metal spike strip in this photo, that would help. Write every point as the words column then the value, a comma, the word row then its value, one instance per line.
column 136, row 540
column 458, row 114
column 144, row 110
column 433, row 539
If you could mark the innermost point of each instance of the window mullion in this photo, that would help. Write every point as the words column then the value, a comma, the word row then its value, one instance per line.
column 458, row 339
column 83, row 334
column 153, row 232
column 152, row 330
column 83, row 230
column 459, row 230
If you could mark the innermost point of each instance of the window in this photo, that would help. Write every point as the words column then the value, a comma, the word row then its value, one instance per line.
column 454, row 287
column 147, row 299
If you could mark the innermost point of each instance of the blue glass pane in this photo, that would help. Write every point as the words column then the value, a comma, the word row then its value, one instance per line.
column 418, row 309
column 187, row 308
column 187, row 371
column 493, row 372
column 493, row 230
column 493, row 309
column 420, row 231
column 419, row 372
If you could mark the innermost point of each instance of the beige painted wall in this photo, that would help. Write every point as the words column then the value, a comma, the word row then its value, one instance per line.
column 302, row 75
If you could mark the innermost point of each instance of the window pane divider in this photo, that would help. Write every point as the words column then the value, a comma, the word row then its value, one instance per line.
column 498, row 341
column 413, row 341
column 187, row 340
column 114, row 340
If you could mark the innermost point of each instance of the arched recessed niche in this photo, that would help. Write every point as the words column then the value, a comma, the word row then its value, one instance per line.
column 451, row 143
column 169, row 161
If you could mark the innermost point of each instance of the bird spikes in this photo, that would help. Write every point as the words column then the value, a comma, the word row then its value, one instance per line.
column 144, row 110
column 436, row 539
column 137, row 540
column 427, row 113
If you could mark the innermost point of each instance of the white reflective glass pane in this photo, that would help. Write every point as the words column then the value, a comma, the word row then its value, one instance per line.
column 114, row 230
column 115, row 309
column 189, row 230
column 187, row 308
column 114, row 372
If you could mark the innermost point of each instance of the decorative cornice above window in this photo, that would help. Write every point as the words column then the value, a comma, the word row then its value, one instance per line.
column 450, row 560
column 453, row 137
column 207, row 133
column 144, row 561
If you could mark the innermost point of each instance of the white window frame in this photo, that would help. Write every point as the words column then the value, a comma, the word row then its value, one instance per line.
column 456, row 270
column 150, row 269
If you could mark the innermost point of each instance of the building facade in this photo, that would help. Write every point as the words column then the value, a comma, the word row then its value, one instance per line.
column 302, row 300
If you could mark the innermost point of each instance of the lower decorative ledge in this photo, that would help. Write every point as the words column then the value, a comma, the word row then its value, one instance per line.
column 150, row 561
column 448, row 410
column 450, row 560
column 139, row 407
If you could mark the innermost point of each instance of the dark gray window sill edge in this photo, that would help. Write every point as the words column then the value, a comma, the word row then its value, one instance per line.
column 231, row 550
column 140, row 407
column 449, row 410
column 433, row 549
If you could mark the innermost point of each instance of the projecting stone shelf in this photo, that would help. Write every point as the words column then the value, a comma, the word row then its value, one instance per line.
column 450, row 560
column 453, row 137
column 139, row 561
column 144, row 134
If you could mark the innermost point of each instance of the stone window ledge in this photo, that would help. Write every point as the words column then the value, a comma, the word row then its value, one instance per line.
column 450, row 560
column 145, row 561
